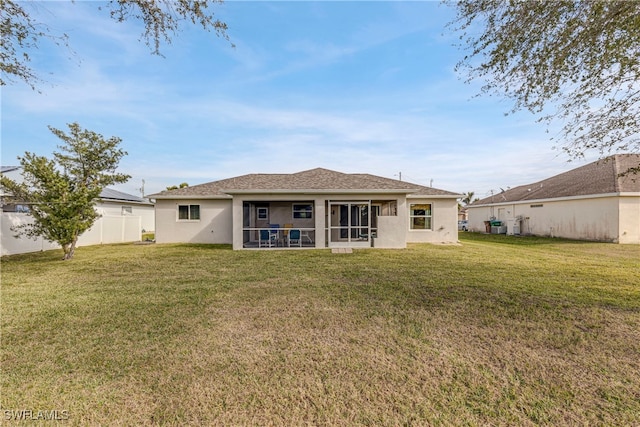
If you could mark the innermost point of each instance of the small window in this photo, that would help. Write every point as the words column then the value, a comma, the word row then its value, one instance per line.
column 263, row 213
column 188, row 212
column 127, row 210
column 303, row 210
column 420, row 216
column 16, row 208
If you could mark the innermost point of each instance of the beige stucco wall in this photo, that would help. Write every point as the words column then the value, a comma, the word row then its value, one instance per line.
column 391, row 232
column 629, row 219
column 214, row 225
column 444, row 220
column 222, row 220
column 609, row 219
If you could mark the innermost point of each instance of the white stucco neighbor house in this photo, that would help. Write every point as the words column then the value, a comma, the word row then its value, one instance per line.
column 316, row 208
column 592, row 202
column 123, row 217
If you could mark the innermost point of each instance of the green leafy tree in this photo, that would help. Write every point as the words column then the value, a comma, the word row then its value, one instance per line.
column 175, row 187
column 21, row 33
column 61, row 191
column 576, row 62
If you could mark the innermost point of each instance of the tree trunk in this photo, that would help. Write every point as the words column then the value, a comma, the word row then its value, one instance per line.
column 69, row 249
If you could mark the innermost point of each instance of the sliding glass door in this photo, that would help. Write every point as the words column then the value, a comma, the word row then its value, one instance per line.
column 350, row 223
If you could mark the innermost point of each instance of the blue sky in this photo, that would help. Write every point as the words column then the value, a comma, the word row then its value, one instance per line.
column 363, row 87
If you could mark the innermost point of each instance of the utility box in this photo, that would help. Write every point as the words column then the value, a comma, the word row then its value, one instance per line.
column 513, row 226
column 498, row 229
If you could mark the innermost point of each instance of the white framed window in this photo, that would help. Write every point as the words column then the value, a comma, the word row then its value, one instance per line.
column 188, row 212
column 420, row 216
column 127, row 210
column 263, row 213
column 302, row 210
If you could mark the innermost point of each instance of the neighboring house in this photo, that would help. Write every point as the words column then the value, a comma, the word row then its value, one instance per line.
column 123, row 219
column 12, row 172
column 115, row 203
column 592, row 202
column 316, row 208
column 463, row 213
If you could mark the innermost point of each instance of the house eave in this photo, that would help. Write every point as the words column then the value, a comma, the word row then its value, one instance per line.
column 556, row 199
column 229, row 193
column 322, row 191
column 191, row 197
column 434, row 196
column 124, row 201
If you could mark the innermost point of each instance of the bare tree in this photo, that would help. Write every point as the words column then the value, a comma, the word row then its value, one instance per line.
column 576, row 62
column 21, row 33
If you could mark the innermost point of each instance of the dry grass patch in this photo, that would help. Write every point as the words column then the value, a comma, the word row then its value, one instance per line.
column 499, row 331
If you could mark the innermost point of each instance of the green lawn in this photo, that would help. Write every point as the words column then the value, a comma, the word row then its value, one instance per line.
column 496, row 331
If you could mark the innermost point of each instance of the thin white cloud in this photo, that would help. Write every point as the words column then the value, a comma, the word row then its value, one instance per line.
column 182, row 124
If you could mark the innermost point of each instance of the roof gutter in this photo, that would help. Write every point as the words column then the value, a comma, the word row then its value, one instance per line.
column 322, row 191
column 557, row 199
column 189, row 197
column 434, row 196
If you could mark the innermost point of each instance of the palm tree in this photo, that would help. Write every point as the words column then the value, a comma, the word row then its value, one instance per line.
column 464, row 202
column 468, row 198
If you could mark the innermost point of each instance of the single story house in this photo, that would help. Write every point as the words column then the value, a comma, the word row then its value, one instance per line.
column 594, row 202
column 316, row 208
column 123, row 218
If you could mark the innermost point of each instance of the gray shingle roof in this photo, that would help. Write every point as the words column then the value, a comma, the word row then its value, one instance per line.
column 600, row 177
column 115, row 195
column 5, row 169
column 314, row 180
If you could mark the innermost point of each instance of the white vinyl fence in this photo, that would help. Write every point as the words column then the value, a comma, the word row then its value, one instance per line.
column 107, row 229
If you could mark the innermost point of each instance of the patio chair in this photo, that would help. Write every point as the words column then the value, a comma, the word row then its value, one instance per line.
column 266, row 238
column 305, row 235
column 295, row 237
column 274, row 230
